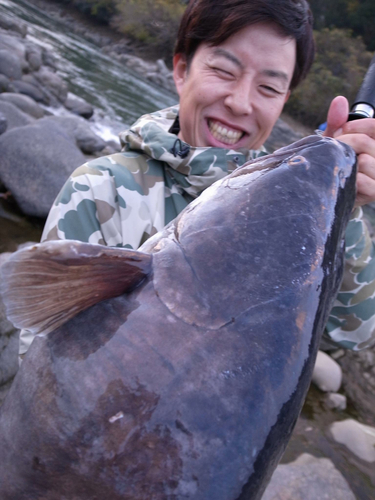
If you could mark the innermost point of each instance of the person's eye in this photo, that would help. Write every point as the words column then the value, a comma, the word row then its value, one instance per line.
column 223, row 72
column 270, row 90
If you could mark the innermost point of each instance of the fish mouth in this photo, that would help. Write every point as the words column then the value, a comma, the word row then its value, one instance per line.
column 224, row 133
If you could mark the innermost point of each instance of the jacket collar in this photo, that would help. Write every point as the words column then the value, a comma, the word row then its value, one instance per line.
column 155, row 135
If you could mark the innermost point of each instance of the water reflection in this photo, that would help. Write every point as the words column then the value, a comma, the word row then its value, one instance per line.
column 119, row 95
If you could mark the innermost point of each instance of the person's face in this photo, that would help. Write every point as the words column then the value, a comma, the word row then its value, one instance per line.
column 233, row 93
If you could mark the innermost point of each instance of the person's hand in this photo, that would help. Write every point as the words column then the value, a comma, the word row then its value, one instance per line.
column 360, row 135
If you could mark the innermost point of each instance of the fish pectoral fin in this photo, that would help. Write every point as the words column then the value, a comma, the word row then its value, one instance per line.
column 45, row 285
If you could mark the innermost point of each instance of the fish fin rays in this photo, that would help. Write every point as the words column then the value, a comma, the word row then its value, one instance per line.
column 45, row 285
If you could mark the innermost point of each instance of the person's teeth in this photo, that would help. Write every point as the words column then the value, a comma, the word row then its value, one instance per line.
column 224, row 135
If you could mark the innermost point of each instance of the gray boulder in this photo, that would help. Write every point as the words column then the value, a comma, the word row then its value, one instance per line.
column 162, row 67
column 31, row 90
column 12, row 24
column 308, row 478
column 78, row 106
column 15, row 45
column 9, row 339
column 327, row 374
column 36, row 160
column 14, row 116
column 10, row 65
column 358, row 438
column 53, row 82
column 79, row 131
column 155, row 78
column 3, row 123
column 49, row 59
column 4, row 83
column 34, row 57
column 24, row 103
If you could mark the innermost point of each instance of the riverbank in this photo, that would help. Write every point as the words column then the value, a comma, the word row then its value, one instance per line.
column 121, row 48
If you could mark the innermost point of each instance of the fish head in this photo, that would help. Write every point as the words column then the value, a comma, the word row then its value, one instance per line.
column 311, row 158
column 262, row 229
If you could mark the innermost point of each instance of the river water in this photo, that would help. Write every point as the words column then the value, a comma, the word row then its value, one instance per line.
column 119, row 95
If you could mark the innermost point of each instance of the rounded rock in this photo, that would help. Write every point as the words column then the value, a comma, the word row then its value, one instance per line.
column 335, row 401
column 358, row 438
column 26, row 88
column 53, row 82
column 3, row 123
column 34, row 57
column 36, row 161
column 327, row 373
column 78, row 106
column 4, row 83
column 162, row 67
column 308, row 478
column 79, row 131
column 14, row 116
column 24, row 103
column 10, row 65
column 9, row 23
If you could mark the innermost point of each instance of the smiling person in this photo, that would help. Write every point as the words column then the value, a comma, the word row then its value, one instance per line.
column 235, row 64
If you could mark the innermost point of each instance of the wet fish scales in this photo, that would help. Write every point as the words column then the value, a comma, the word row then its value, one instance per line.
column 189, row 386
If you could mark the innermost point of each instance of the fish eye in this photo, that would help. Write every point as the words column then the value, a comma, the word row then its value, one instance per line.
column 298, row 160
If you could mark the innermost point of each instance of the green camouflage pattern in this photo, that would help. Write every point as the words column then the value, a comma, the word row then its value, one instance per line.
column 123, row 199
column 352, row 320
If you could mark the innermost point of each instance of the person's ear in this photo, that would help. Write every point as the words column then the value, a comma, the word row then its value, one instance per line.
column 287, row 97
column 179, row 71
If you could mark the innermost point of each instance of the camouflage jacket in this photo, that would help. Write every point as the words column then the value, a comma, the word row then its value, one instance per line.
column 123, row 199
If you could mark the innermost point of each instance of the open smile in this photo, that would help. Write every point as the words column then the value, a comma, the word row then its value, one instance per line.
column 223, row 133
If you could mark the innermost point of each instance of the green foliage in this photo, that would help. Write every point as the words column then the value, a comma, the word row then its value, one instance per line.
column 356, row 15
column 101, row 10
column 340, row 65
column 153, row 22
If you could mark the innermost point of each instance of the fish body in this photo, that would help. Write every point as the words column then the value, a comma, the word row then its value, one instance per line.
column 188, row 385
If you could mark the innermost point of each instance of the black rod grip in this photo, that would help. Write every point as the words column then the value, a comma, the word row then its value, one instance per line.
column 364, row 104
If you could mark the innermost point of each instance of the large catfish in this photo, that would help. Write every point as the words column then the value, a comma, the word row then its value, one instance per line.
column 188, row 383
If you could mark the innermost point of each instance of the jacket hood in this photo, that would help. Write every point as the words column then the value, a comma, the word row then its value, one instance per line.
column 193, row 168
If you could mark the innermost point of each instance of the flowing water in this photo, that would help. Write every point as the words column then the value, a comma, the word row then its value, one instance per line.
column 119, row 95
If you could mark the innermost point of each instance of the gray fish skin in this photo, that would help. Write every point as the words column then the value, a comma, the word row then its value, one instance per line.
column 189, row 386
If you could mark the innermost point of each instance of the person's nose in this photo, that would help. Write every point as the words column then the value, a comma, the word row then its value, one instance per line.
column 240, row 98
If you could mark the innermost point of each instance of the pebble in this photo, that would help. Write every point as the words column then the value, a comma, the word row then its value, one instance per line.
column 338, row 354
column 327, row 373
column 308, row 478
column 335, row 401
column 358, row 438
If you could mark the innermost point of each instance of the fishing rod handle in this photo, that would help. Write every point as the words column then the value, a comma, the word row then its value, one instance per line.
column 364, row 104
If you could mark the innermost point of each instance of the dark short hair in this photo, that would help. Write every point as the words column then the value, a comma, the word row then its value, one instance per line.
column 214, row 21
